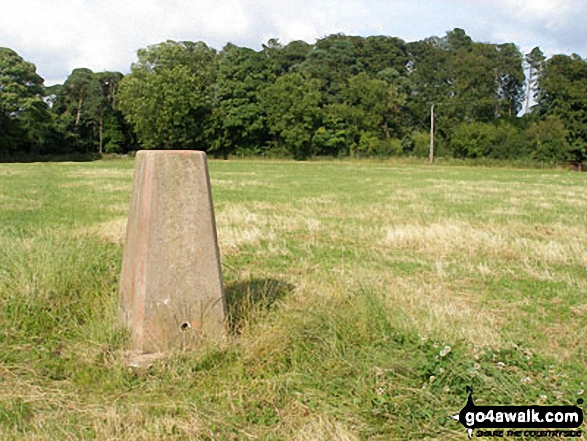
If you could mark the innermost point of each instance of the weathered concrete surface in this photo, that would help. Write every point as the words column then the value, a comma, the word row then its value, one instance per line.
column 171, row 283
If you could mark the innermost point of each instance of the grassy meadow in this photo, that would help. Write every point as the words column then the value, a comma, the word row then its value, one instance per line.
column 363, row 299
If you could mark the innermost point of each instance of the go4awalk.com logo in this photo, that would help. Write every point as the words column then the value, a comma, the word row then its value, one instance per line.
column 522, row 421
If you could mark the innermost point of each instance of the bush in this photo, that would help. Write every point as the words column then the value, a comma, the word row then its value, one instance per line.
column 473, row 140
column 333, row 142
column 547, row 140
column 508, row 143
column 417, row 144
column 371, row 145
column 478, row 140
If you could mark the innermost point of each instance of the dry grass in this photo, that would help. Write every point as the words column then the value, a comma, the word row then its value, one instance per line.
column 378, row 269
column 324, row 429
column 112, row 231
column 97, row 173
column 490, row 241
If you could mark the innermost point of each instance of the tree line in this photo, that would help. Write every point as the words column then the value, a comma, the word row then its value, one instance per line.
column 342, row 96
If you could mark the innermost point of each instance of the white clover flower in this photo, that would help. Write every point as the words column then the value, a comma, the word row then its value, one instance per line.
column 445, row 351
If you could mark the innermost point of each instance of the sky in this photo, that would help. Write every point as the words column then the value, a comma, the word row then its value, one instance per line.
column 61, row 35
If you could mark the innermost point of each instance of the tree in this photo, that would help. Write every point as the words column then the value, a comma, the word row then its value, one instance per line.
column 457, row 39
column 293, row 106
column 473, row 88
column 510, row 79
column 379, row 53
column 466, row 81
column 376, row 105
column 501, row 140
column 533, row 62
column 168, row 96
column 473, row 139
column 238, row 118
column 24, row 116
column 430, row 79
column 78, row 106
column 86, row 112
column 284, row 58
column 113, row 132
column 548, row 140
column 332, row 60
column 563, row 94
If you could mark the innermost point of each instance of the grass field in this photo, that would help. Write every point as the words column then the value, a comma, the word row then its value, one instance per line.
column 363, row 298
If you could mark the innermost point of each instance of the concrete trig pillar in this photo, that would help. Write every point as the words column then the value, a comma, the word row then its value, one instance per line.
column 171, row 282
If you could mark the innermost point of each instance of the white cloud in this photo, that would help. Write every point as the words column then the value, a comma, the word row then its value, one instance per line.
column 61, row 35
column 552, row 13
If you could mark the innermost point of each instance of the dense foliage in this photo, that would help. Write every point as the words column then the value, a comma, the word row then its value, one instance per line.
column 341, row 96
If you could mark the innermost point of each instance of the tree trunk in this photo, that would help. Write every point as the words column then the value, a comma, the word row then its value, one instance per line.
column 528, row 89
column 79, row 106
column 113, row 95
column 101, row 127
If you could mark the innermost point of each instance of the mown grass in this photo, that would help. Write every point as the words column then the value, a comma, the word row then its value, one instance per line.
column 363, row 298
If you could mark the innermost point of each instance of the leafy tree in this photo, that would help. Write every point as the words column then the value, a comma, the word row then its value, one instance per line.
column 533, row 62
column 509, row 142
column 114, row 134
column 418, row 144
column 24, row 116
column 478, row 139
column 430, row 79
column 333, row 137
column 168, row 96
column 20, row 85
column 467, row 81
column 472, row 88
column 238, row 117
column 379, row 53
column 372, row 145
column 510, row 79
column 378, row 104
column 473, row 139
column 293, row 106
column 78, row 105
column 341, row 95
column 83, row 91
column 563, row 94
column 10, row 134
column 548, row 140
column 457, row 39
column 332, row 60
column 284, row 58
column 51, row 93
column 87, row 114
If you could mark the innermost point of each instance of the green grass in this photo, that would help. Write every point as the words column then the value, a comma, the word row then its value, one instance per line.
column 363, row 298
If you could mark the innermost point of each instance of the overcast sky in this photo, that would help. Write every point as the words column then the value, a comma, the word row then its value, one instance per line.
column 61, row 35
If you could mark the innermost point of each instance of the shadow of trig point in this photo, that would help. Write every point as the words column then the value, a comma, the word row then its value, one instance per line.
column 171, row 282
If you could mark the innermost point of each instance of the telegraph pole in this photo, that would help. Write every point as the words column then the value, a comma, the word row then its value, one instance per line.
column 431, row 157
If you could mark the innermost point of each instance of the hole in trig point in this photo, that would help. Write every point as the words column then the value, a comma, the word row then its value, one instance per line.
column 185, row 326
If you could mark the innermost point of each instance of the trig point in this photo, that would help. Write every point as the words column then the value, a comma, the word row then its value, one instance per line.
column 171, row 283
